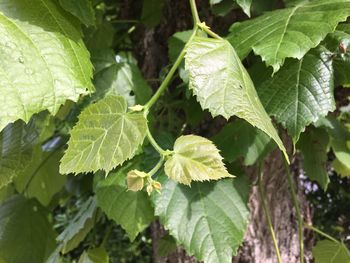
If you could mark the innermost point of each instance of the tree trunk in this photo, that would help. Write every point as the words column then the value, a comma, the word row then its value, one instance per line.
column 258, row 246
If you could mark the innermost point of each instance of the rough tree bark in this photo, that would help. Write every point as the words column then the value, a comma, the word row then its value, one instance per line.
column 258, row 247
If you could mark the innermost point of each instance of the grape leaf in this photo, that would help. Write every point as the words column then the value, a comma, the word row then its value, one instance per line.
column 43, row 61
column 79, row 227
column 244, row 4
column 105, row 136
column 327, row 251
column 152, row 12
column 209, row 219
column 132, row 210
column 301, row 92
column 122, row 78
column 16, row 143
column 222, row 84
column 340, row 168
column 314, row 146
column 340, row 137
column 41, row 178
column 341, row 62
column 240, row 139
column 289, row 32
column 24, row 225
column 195, row 159
column 95, row 255
column 82, row 9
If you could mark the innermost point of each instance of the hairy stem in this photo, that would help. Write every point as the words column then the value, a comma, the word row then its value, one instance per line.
column 267, row 214
column 297, row 209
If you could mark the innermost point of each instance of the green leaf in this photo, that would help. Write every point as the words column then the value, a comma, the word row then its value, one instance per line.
column 95, row 255
column 244, row 4
column 82, row 9
column 314, row 146
column 289, row 32
column 152, row 12
column 131, row 210
column 327, row 251
column 341, row 61
column 340, row 168
column 240, row 139
column 222, row 84
column 195, row 158
column 44, row 61
column 209, row 219
column 6, row 192
column 26, row 235
column 301, row 92
column 41, row 178
column 340, row 137
column 166, row 246
column 119, row 78
column 16, row 143
column 105, row 136
column 79, row 227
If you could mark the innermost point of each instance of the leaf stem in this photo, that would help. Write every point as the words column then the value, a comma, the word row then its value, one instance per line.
column 155, row 145
column 297, row 209
column 194, row 11
column 207, row 30
column 321, row 233
column 168, row 77
column 267, row 213
column 157, row 167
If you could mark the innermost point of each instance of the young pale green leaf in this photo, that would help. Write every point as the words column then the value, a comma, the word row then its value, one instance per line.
column 105, row 136
column 95, row 255
column 82, row 9
column 24, row 225
column 135, row 180
column 222, row 84
column 209, row 219
column 314, row 146
column 79, row 227
column 195, row 159
column 327, row 251
column 44, row 61
column 132, row 210
column 288, row 32
column 301, row 92
column 41, row 178
column 122, row 78
column 240, row 139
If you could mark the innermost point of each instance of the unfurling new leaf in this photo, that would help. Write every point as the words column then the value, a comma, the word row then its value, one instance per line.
column 135, row 180
column 105, row 136
column 195, row 159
